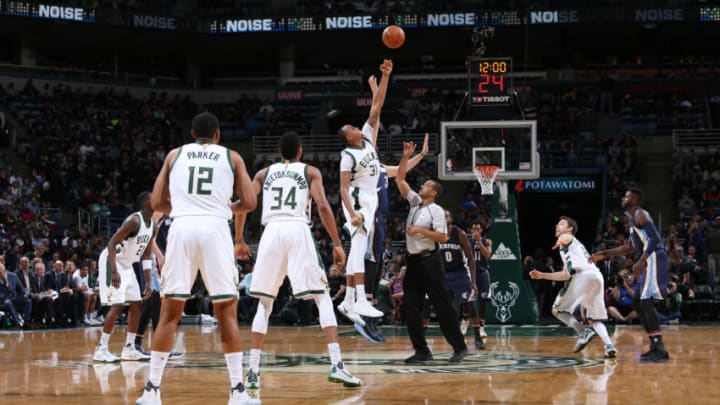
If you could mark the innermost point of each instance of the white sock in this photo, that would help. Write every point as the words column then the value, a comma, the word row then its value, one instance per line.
column 360, row 292
column 570, row 321
column 235, row 367
column 350, row 296
column 255, row 359
column 130, row 339
column 104, row 339
column 601, row 331
column 334, row 350
column 157, row 366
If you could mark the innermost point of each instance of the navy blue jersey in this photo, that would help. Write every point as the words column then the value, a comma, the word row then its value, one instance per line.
column 452, row 252
column 377, row 243
column 644, row 236
column 481, row 263
column 162, row 234
column 382, row 187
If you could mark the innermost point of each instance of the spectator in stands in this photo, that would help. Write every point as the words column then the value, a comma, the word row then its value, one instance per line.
column 56, row 281
column 12, row 294
column 620, row 305
column 693, row 274
column 712, row 247
column 336, row 283
column 42, row 297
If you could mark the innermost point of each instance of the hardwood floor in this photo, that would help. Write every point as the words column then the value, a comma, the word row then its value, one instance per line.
column 528, row 365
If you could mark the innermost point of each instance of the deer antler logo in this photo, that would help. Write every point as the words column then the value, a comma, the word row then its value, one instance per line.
column 503, row 300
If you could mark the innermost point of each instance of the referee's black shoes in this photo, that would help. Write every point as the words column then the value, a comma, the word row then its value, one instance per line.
column 458, row 356
column 419, row 357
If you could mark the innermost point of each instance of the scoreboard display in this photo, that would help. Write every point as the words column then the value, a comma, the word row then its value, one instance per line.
column 490, row 81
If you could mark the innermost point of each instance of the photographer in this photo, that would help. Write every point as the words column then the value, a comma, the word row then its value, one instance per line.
column 668, row 310
column 620, row 307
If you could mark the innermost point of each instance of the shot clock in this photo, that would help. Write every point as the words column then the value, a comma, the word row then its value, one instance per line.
column 489, row 81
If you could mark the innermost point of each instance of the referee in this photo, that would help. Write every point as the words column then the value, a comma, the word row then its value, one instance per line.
column 426, row 227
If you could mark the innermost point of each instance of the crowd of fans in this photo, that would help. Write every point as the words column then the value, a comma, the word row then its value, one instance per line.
column 693, row 241
column 96, row 149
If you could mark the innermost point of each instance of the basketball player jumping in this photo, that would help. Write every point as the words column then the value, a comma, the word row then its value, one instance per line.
column 585, row 287
column 651, row 269
column 287, row 248
column 194, row 186
column 367, row 327
column 118, row 285
column 359, row 170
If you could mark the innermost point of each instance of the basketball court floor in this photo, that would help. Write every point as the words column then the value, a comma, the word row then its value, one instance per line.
column 523, row 365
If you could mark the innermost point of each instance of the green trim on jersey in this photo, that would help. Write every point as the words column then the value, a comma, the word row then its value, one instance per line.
column 175, row 160
column 232, row 167
column 223, row 297
column 356, row 197
column 309, row 292
column 317, row 251
column 257, row 294
column 108, row 272
column 307, row 179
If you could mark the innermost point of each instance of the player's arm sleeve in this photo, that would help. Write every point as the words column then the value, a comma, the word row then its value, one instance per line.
column 367, row 132
column 415, row 199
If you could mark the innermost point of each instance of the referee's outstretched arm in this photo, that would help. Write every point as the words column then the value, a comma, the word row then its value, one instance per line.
column 408, row 149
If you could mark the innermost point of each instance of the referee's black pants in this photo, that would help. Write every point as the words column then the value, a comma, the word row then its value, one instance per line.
column 425, row 275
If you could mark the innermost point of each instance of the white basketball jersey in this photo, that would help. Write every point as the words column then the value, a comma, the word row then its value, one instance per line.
column 286, row 192
column 362, row 163
column 575, row 257
column 202, row 178
column 131, row 249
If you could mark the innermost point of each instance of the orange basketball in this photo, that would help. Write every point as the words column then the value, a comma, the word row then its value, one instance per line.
column 393, row 37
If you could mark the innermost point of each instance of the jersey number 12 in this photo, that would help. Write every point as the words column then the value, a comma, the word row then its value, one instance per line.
column 204, row 178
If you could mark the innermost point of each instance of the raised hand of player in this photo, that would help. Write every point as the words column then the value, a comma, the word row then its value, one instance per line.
column 386, row 67
column 535, row 275
column 242, row 251
column 372, row 81
column 339, row 255
column 426, row 145
column 409, row 148
column 596, row 258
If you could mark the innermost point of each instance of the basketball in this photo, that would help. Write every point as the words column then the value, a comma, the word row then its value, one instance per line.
column 393, row 37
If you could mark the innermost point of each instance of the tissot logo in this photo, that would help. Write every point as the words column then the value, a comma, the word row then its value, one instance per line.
column 503, row 253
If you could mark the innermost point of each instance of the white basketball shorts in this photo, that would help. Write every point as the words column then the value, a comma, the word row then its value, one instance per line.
column 199, row 243
column 288, row 248
column 586, row 289
column 129, row 290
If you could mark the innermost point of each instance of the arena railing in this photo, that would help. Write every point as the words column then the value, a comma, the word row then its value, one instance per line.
column 268, row 145
column 696, row 140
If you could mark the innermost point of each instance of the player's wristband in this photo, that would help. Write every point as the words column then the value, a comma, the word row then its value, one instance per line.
column 239, row 241
column 336, row 244
column 147, row 264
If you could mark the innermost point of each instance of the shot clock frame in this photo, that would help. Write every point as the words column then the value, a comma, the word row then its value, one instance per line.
column 489, row 81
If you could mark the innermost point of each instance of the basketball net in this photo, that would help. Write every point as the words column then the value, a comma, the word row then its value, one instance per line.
column 486, row 177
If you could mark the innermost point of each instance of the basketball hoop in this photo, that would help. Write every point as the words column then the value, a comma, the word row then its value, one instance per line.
column 486, row 177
